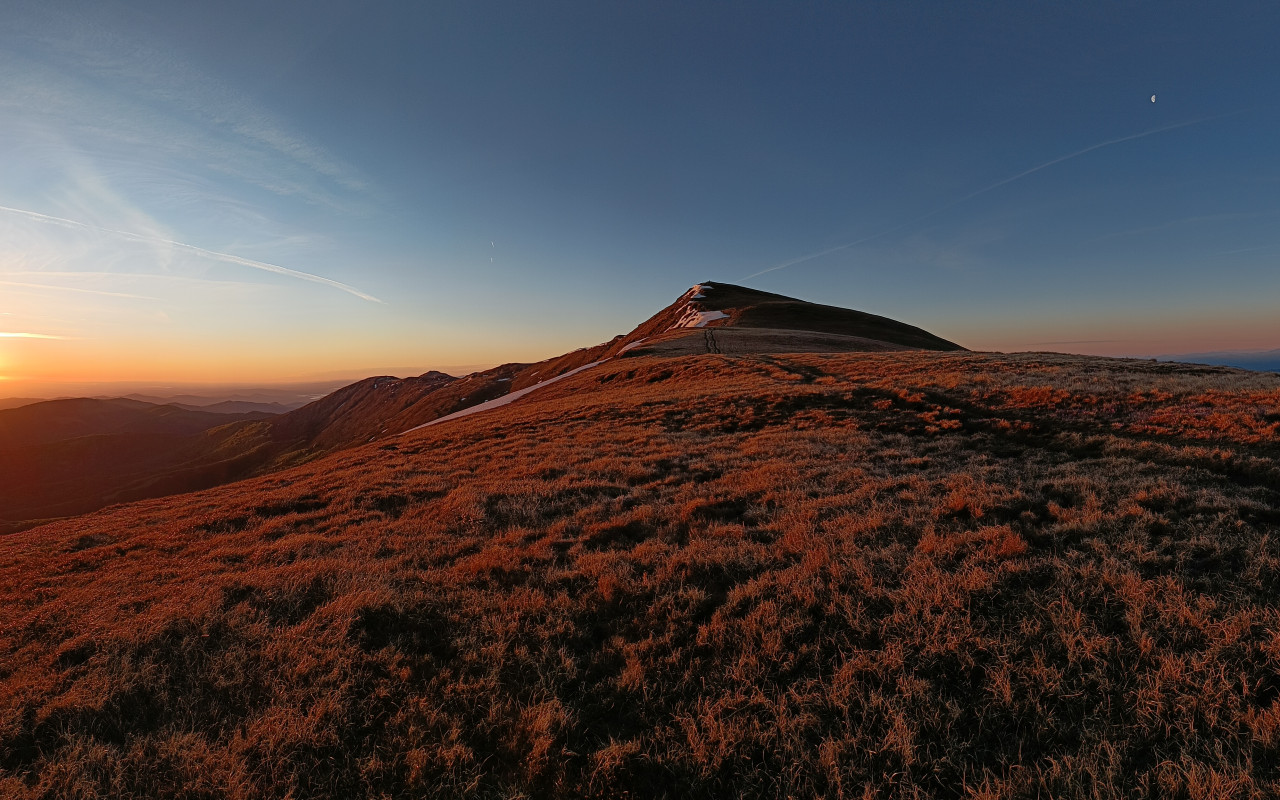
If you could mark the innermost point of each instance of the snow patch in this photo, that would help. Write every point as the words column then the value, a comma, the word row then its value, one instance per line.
column 708, row 316
column 693, row 318
column 510, row 397
column 636, row 343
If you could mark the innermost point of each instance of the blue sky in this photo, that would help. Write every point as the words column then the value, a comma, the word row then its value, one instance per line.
column 248, row 191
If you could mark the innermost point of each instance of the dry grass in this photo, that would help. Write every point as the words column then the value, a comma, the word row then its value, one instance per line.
column 907, row 575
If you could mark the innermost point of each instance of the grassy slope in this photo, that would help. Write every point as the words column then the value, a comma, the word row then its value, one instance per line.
column 933, row 575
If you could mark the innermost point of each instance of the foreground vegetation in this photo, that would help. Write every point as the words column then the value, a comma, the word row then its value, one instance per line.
column 903, row 575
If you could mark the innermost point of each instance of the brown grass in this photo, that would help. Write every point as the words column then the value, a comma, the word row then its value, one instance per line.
column 906, row 575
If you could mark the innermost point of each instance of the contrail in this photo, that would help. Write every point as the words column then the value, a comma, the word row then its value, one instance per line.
column 1245, row 250
column 984, row 190
column 1079, row 153
column 837, row 248
column 227, row 257
column 7, row 335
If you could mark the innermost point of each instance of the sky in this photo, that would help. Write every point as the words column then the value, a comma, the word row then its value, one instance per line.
column 265, row 192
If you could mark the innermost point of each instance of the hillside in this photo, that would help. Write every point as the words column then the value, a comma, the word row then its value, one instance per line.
column 68, row 457
column 239, row 407
column 907, row 574
column 57, row 420
column 64, row 457
column 17, row 402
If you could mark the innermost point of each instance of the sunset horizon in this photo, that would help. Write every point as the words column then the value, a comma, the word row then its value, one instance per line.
column 29, row 370
column 471, row 196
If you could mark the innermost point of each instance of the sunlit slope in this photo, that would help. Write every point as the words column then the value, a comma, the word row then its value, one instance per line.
column 751, row 576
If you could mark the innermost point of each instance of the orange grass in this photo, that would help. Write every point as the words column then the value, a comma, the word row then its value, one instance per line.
column 898, row 576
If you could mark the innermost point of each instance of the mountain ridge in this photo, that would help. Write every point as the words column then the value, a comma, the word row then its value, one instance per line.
column 181, row 449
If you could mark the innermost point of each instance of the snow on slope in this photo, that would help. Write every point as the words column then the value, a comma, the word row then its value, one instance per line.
column 693, row 317
column 510, row 397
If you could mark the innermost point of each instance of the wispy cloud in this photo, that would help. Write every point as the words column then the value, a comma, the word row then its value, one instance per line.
column 1246, row 250
column 984, row 190
column 76, row 290
column 155, row 277
column 114, row 92
column 13, row 335
column 200, row 251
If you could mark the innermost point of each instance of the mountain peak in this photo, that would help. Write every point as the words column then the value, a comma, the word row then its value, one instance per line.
column 749, row 320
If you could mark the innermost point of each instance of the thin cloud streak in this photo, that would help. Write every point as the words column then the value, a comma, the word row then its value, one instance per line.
column 227, row 257
column 144, row 276
column 78, row 290
column 12, row 335
column 986, row 189
column 1246, row 250
column 154, row 99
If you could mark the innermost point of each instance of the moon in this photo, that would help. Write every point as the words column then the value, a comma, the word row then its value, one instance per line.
column 1153, row 98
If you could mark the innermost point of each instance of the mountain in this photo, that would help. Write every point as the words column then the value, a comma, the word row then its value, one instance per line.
column 274, row 399
column 18, row 402
column 71, row 456
column 721, row 317
column 355, row 413
column 893, row 574
column 240, row 407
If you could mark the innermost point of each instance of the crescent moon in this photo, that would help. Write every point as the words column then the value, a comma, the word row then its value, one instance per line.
column 1153, row 98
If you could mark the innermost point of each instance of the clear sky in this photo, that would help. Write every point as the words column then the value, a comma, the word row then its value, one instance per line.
column 249, row 191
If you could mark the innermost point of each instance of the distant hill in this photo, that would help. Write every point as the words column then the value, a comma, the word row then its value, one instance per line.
column 1257, row 360
column 56, row 420
column 277, row 400
column 18, row 402
column 239, row 407
column 66, row 457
